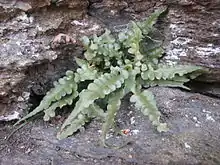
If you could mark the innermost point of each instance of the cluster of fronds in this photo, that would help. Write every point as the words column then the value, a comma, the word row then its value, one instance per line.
column 113, row 67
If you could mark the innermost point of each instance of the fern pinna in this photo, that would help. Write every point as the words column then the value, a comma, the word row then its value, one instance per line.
column 113, row 67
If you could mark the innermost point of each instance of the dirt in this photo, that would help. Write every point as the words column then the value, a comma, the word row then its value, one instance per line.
column 193, row 138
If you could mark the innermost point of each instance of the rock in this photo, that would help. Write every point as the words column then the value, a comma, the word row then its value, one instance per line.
column 26, row 36
column 193, row 137
column 27, row 62
column 29, row 65
column 193, row 35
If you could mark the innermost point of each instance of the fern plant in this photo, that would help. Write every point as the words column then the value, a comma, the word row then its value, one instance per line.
column 114, row 65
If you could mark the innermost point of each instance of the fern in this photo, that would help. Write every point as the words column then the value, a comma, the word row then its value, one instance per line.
column 65, row 86
column 113, row 106
column 101, row 87
column 168, row 72
column 114, row 65
column 85, row 71
column 131, row 40
column 146, row 103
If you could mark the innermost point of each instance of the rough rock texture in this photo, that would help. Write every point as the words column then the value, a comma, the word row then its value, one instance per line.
column 28, row 65
column 28, row 27
column 193, row 139
column 30, row 62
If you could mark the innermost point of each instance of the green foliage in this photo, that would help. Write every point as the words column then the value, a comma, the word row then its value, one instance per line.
column 63, row 93
column 113, row 67
column 146, row 103
column 113, row 106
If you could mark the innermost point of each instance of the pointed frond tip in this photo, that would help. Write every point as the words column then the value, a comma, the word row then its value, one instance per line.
column 147, row 25
column 146, row 103
column 63, row 87
column 167, row 72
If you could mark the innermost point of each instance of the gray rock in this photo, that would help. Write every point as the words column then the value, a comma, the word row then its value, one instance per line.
column 28, row 66
column 193, row 137
column 27, row 62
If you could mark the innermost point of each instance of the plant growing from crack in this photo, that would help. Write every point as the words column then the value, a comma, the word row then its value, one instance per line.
column 112, row 68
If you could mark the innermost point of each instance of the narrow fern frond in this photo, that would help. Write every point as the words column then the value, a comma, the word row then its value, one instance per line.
column 166, row 72
column 79, row 121
column 177, row 81
column 146, row 103
column 131, row 39
column 64, row 86
column 165, row 83
column 101, row 87
column 113, row 106
column 85, row 72
column 68, row 100
column 147, row 25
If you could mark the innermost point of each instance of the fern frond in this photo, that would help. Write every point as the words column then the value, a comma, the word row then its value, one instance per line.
column 147, row 25
column 64, row 86
column 101, row 87
column 166, row 72
column 165, row 83
column 177, row 81
column 102, row 48
column 85, row 72
column 93, row 111
column 79, row 121
column 131, row 39
column 113, row 106
column 146, row 103
column 68, row 100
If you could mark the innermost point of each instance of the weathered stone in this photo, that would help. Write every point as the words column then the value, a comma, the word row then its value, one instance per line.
column 25, row 38
column 28, row 66
column 193, row 35
column 25, row 44
column 193, row 137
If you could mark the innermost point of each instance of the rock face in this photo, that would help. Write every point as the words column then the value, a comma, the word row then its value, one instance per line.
column 190, row 32
column 193, row 137
column 28, row 65
column 33, row 55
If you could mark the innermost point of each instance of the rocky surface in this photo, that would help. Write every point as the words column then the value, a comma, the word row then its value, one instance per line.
column 193, row 119
column 33, row 55
column 28, row 64
column 28, row 27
